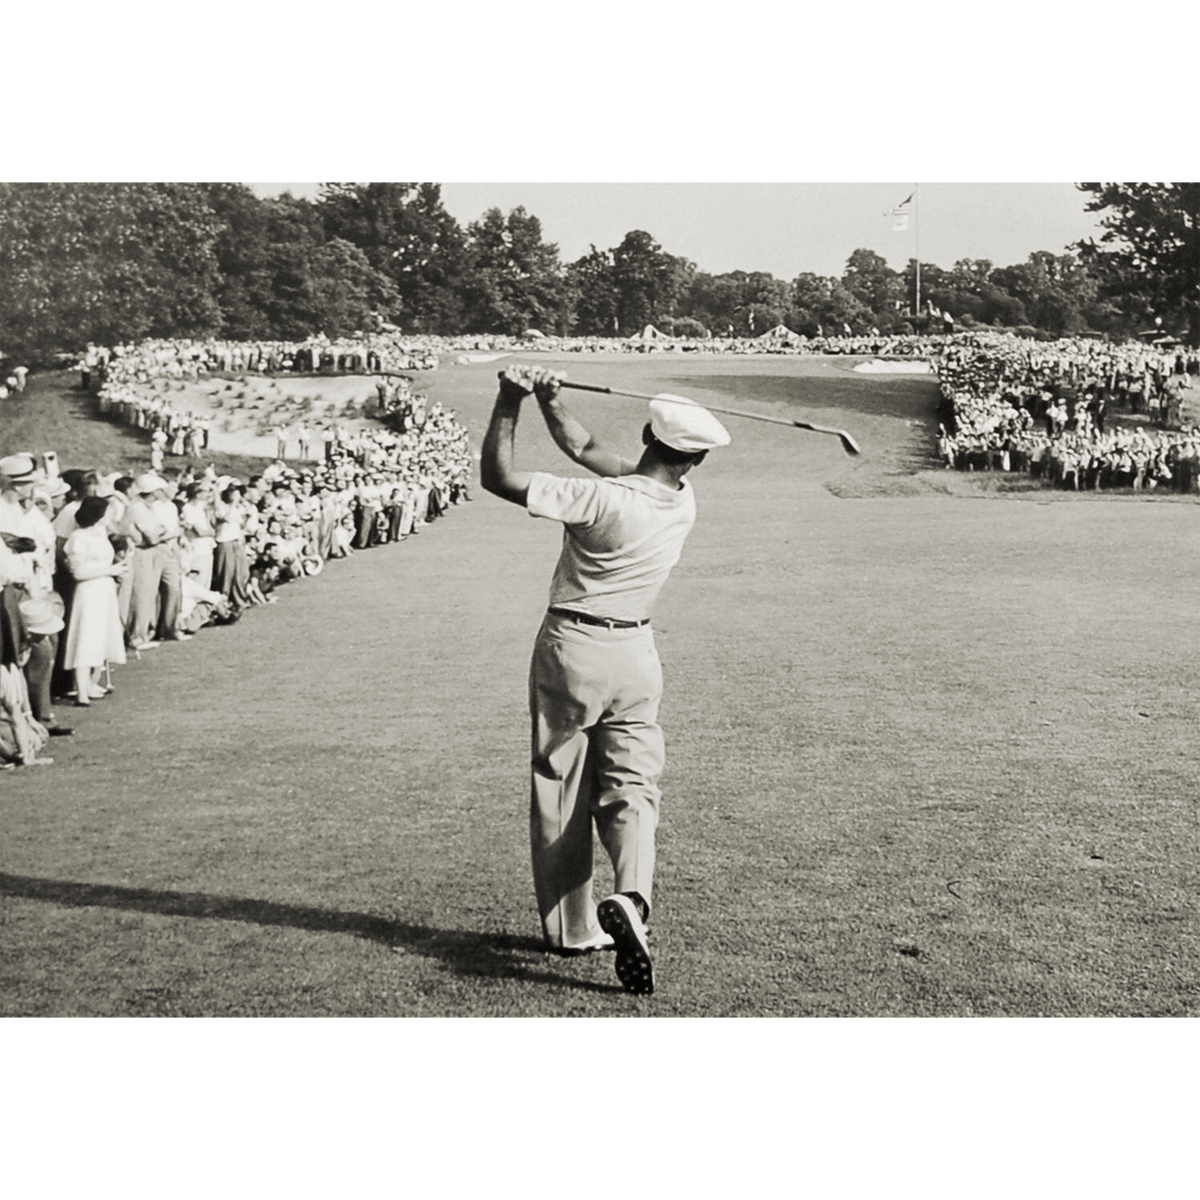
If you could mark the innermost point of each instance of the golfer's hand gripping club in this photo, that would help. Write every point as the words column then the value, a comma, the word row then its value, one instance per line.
column 517, row 382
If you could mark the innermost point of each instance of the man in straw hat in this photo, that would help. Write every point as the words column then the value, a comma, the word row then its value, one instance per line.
column 595, row 680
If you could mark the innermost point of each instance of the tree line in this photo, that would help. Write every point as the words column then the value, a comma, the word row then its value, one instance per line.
column 119, row 262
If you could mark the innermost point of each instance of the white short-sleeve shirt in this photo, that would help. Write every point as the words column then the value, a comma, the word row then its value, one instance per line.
column 621, row 537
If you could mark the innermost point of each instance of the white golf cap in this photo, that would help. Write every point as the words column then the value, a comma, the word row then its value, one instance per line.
column 685, row 425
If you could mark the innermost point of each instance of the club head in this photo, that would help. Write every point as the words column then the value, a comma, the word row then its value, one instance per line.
column 849, row 444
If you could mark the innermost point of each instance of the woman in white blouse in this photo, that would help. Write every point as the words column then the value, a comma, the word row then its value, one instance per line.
column 94, row 635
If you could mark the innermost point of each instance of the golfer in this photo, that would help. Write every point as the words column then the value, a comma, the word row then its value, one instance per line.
column 595, row 680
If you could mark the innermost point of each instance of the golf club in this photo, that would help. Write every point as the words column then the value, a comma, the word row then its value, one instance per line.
column 848, row 443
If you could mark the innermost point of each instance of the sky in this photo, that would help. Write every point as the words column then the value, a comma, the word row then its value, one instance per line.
column 786, row 228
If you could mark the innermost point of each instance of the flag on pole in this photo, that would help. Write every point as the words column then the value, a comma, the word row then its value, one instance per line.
column 901, row 212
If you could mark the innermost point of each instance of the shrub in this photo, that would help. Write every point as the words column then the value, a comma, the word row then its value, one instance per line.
column 688, row 327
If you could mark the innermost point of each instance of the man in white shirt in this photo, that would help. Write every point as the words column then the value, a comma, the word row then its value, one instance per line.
column 34, row 569
column 152, row 522
column 595, row 680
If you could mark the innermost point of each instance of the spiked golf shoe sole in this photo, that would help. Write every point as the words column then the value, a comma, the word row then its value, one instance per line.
column 619, row 919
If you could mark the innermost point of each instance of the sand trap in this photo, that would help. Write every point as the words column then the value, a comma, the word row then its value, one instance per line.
column 244, row 409
column 877, row 366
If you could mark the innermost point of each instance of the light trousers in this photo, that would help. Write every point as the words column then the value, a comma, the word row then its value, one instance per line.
column 597, row 756
column 142, row 605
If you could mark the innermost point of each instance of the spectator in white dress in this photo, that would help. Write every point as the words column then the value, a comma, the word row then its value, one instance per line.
column 94, row 634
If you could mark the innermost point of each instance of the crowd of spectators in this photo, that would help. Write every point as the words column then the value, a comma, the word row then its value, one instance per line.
column 1046, row 410
column 781, row 341
column 187, row 359
column 127, row 389
column 95, row 567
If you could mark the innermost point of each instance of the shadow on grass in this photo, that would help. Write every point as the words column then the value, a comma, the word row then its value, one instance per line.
column 466, row 952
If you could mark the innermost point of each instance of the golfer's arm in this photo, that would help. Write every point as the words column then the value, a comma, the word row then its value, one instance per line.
column 496, row 472
column 578, row 444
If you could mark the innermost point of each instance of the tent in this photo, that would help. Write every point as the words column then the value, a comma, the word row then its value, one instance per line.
column 649, row 334
column 781, row 333
column 533, row 333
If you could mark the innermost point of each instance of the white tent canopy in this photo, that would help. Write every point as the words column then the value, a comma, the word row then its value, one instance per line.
column 781, row 333
column 649, row 334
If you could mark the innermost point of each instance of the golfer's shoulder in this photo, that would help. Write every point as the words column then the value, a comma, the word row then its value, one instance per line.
column 565, row 497
column 564, row 486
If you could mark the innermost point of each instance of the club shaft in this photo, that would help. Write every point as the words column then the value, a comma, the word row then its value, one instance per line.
column 729, row 412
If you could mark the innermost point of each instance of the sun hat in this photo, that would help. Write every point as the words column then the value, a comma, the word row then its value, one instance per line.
column 53, row 487
column 105, row 486
column 150, row 482
column 43, row 614
column 18, row 468
column 685, row 425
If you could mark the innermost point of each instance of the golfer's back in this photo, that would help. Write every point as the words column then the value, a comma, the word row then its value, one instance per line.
column 621, row 538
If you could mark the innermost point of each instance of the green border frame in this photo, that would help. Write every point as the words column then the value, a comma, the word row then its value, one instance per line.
column 448, row 1108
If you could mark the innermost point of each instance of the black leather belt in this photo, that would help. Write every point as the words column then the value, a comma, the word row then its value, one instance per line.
column 603, row 622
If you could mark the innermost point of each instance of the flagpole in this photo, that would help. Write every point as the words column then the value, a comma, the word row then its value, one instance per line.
column 917, row 236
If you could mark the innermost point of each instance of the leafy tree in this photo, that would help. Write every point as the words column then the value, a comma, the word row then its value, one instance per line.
column 371, row 216
column 1057, row 291
column 823, row 305
column 314, row 285
column 749, row 303
column 593, row 294
column 933, row 279
column 996, row 306
column 870, row 280
column 243, row 259
column 687, row 327
column 105, row 263
column 1153, row 266
column 293, row 237
column 514, row 279
column 765, row 302
column 713, row 301
column 407, row 234
column 346, row 291
column 971, row 292
column 647, row 280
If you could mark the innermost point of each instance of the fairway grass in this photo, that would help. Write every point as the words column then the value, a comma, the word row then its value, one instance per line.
column 931, row 753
